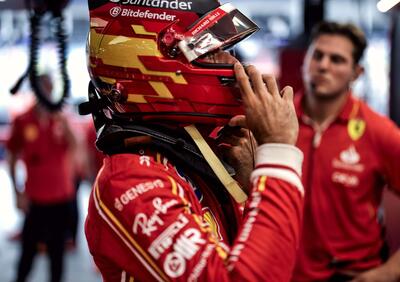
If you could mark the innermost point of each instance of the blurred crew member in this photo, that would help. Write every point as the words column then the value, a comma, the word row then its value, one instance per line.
column 351, row 153
column 44, row 142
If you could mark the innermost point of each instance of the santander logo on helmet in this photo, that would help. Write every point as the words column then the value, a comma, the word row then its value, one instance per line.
column 168, row 4
column 147, row 58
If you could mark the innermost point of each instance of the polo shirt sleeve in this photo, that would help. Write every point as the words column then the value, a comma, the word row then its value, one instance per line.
column 388, row 141
column 15, row 141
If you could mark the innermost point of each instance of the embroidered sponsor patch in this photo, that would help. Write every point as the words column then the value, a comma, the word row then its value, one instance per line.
column 144, row 160
column 346, row 179
column 356, row 128
column 165, row 239
column 246, row 230
column 185, row 247
column 350, row 156
column 147, row 224
column 349, row 159
column 31, row 132
column 136, row 191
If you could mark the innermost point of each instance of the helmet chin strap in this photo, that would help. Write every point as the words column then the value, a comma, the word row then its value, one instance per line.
column 229, row 183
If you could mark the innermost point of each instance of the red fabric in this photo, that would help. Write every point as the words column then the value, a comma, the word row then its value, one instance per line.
column 147, row 221
column 45, row 152
column 343, row 180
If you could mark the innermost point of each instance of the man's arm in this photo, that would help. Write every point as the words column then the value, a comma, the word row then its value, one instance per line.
column 14, row 148
column 387, row 272
column 12, row 163
column 66, row 127
column 387, row 142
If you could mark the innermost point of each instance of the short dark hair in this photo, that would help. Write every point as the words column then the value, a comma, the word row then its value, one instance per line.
column 348, row 30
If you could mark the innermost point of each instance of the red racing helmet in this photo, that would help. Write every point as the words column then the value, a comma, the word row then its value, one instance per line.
column 145, row 58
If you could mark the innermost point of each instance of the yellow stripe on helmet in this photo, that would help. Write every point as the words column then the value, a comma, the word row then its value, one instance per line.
column 123, row 51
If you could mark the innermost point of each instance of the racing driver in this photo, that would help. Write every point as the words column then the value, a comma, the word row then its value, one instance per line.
column 165, row 205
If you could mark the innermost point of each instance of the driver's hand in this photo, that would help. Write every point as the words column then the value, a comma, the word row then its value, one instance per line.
column 270, row 113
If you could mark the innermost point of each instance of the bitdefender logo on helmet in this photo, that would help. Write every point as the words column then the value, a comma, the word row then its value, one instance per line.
column 114, row 12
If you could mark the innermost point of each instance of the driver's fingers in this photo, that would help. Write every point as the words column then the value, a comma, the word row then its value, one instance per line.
column 256, row 81
column 287, row 93
column 271, row 84
column 248, row 96
column 239, row 120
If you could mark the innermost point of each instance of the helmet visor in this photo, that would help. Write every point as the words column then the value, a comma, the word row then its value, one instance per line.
column 218, row 29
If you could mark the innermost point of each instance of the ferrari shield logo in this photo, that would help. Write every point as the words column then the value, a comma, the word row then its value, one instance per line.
column 31, row 132
column 356, row 128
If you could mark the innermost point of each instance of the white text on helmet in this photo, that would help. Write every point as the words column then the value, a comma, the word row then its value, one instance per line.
column 147, row 15
column 174, row 4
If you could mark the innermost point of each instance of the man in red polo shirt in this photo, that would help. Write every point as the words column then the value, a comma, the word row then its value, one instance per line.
column 350, row 154
column 43, row 140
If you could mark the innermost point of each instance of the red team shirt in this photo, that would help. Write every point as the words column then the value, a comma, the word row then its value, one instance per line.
column 45, row 152
column 148, row 221
column 346, row 166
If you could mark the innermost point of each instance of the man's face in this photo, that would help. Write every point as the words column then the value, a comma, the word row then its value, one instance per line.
column 329, row 67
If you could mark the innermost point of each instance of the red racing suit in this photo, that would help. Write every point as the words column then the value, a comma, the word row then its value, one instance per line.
column 346, row 166
column 150, row 221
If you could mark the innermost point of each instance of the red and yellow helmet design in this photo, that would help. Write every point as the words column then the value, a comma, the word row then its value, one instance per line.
column 144, row 57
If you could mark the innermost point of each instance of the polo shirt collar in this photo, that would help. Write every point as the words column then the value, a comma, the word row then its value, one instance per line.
column 348, row 112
